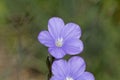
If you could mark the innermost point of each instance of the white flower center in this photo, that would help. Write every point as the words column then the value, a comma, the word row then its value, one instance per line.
column 59, row 42
column 69, row 78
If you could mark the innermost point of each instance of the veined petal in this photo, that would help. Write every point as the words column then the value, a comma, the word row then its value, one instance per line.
column 73, row 46
column 45, row 38
column 86, row 76
column 71, row 30
column 76, row 66
column 56, row 52
column 55, row 25
column 59, row 68
column 56, row 78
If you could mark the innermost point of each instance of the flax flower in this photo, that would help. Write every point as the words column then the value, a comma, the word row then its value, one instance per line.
column 74, row 69
column 61, row 39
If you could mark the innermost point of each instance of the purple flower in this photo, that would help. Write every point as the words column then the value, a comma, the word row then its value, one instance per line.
column 61, row 39
column 74, row 69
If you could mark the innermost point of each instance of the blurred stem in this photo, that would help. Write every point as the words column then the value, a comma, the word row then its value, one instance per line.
column 49, row 62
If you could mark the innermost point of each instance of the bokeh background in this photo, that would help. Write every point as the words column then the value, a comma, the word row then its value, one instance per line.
column 22, row 57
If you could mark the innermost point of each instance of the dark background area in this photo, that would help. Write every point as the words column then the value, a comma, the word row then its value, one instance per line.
column 22, row 57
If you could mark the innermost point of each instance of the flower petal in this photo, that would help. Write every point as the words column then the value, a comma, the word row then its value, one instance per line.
column 45, row 38
column 56, row 52
column 71, row 30
column 56, row 78
column 55, row 25
column 86, row 76
column 73, row 46
column 59, row 68
column 76, row 66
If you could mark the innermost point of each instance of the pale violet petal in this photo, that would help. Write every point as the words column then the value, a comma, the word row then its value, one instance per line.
column 55, row 25
column 57, row 52
column 56, row 78
column 71, row 30
column 76, row 66
column 73, row 46
column 59, row 68
column 86, row 76
column 53, row 78
column 45, row 38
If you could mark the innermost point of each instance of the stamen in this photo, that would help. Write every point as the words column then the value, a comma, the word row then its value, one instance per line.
column 59, row 42
column 69, row 78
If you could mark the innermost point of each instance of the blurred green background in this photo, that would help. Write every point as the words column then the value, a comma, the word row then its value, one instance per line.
column 22, row 57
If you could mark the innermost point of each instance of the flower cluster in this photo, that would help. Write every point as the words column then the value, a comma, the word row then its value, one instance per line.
column 64, row 39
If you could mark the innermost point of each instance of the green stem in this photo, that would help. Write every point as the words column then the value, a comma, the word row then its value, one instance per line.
column 49, row 62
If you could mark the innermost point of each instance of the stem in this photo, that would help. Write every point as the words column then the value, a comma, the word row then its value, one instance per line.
column 49, row 62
